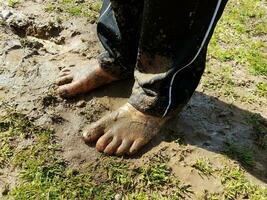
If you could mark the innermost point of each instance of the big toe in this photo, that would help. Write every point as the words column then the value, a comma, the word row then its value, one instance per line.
column 70, row 89
column 93, row 132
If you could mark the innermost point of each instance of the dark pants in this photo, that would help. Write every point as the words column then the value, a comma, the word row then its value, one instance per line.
column 163, row 43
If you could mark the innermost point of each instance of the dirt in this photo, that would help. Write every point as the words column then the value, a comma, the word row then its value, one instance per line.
column 34, row 46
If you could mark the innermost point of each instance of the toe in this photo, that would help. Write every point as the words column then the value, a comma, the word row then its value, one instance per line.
column 112, row 146
column 62, row 74
column 70, row 89
column 94, row 131
column 64, row 80
column 65, row 70
column 136, row 146
column 103, row 141
column 124, row 147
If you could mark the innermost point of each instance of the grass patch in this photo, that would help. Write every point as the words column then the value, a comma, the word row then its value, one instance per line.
column 236, row 186
column 209, row 196
column 262, row 89
column 243, row 42
column 88, row 9
column 13, row 3
column 13, row 127
column 203, row 166
column 259, row 124
column 243, row 154
column 148, row 181
column 43, row 174
column 243, row 47
column 221, row 81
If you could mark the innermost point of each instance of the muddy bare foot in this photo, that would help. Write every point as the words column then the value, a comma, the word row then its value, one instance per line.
column 78, row 80
column 123, row 131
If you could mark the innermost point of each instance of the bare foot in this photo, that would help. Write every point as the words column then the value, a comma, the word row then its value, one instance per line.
column 77, row 80
column 123, row 131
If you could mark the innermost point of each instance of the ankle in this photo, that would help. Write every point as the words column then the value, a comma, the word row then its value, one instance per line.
column 143, row 116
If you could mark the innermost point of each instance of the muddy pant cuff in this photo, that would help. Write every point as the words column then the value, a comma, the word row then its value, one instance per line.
column 115, row 66
column 153, row 105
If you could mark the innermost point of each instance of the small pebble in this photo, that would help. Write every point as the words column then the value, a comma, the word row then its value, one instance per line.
column 118, row 197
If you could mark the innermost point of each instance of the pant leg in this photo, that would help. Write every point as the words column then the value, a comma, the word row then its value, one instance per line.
column 119, row 31
column 172, row 52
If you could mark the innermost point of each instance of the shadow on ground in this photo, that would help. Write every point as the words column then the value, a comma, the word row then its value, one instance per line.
column 210, row 124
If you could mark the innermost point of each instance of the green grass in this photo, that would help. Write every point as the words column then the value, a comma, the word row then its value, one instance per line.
column 209, row 196
column 238, row 48
column 203, row 166
column 148, row 181
column 221, row 81
column 236, row 186
column 43, row 174
column 13, row 3
column 244, row 154
column 259, row 125
column 262, row 89
column 87, row 9
column 243, row 42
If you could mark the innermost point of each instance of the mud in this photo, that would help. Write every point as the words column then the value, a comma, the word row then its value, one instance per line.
column 33, row 49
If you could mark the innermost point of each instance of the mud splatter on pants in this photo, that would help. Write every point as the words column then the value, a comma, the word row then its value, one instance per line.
column 162, row 43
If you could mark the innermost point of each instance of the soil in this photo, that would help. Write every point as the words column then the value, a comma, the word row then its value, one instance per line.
column 33, row 49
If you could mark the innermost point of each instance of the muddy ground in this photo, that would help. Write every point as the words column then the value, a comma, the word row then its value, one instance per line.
column 36, row 42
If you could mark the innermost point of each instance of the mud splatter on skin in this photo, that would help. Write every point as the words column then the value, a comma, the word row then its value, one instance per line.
column 82, row 79
column 124, row 131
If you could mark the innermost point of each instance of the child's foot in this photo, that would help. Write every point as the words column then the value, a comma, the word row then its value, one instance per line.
column 123, row 131
column 77, row 80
